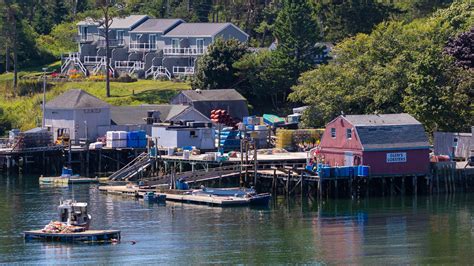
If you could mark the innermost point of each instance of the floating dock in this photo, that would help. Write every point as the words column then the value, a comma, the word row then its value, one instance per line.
column 67, row 180
column 86, row 236
column 209, row 200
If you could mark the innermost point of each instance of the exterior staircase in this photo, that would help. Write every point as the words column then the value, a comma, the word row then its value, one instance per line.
column 158, row 71
column 72, row 59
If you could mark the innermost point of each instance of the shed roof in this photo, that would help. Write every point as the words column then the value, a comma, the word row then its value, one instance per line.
column 135, row 115
column 213, row 95
column 382, row 119
column 389, row 131
column 157, row 25
column 199, row 29
column 74, row 99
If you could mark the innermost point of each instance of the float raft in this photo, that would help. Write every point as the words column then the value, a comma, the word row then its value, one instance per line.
column 88, row 235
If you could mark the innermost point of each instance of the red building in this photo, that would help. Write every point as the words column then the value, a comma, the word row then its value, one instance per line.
column 391, row 144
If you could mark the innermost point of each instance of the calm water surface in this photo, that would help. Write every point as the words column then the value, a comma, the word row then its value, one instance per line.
column 376, row 231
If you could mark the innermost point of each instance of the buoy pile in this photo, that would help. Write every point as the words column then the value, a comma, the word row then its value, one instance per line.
column 222, row 117
column 58, row 227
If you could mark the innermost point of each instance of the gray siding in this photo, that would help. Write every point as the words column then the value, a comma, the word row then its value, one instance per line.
column 230, row 32
column 74, row 121
column 445, row 144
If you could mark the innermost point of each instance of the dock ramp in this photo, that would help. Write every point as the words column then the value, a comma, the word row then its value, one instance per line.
column 132, row 169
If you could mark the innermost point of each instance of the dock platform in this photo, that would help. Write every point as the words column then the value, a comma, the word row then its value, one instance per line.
column 88, row 235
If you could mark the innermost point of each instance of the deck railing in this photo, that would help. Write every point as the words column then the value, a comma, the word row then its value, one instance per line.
column 142, row 46
column 112, row 43
column 81, row 38
column 180, row 70
column 192, row 51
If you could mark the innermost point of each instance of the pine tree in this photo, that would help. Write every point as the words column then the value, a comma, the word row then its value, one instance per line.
column 296, row 34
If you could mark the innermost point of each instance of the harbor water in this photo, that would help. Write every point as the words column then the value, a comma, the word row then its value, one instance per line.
column 397, row 230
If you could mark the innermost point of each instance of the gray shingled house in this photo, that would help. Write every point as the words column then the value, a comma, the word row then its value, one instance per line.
column 79, row 113
column 206, row 100
column 135, row 117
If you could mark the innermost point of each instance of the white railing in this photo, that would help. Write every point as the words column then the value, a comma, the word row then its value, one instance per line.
column 168, row 50
column 142, row 46
column 93, row 60
column 158, row 71
column 131, row 66
column 112, row 43
column 180, row 70
column 86, row 38
column 74, row 59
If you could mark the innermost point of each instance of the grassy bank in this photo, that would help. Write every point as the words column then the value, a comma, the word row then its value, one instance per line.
column 24, row 112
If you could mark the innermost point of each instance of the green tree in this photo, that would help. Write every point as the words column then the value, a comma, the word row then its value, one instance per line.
column 296, row 34
column 399, row 67
column 60, row 40
column 215, row 69
column 341, row 19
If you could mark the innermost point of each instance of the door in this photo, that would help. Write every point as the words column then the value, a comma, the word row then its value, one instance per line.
column 84, row 33
column 152, row 41
column 175, row 45
column 348, row 158
column 200, row 46
column 120, row 37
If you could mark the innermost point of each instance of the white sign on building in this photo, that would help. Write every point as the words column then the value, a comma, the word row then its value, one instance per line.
column 397, row 157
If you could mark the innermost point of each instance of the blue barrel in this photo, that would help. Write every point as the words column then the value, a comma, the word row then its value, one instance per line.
column 351, row 171
column 363, row 170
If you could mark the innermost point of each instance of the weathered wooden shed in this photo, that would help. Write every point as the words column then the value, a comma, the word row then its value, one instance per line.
column 391, row 144
column 206, row 100
column 456, row 145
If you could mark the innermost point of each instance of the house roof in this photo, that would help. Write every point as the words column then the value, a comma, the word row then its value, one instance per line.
column 199, row 29
column 389, row 131
column 76, row 98
column 87, row 22
column 157, row 25
column 382, row 119
column 213, row 95
column 127, row 22
column 135, row 115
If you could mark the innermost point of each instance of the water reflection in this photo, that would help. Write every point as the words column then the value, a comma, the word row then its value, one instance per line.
column 424, row 230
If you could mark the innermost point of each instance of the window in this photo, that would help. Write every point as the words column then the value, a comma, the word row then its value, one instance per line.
column 175, row 43
column 84, row 33
column 200, row 45
column 152, row 41
column 333, row 132
column 120, row 36
column 349, row 133
column 192, row 133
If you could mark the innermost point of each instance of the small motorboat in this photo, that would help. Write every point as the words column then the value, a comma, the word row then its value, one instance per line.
column 151, row 196
column 73, row 225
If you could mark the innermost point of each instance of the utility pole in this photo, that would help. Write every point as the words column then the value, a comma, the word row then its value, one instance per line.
column 43, row 123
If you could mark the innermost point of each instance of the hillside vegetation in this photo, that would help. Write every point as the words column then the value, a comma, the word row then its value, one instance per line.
column 24, row 111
